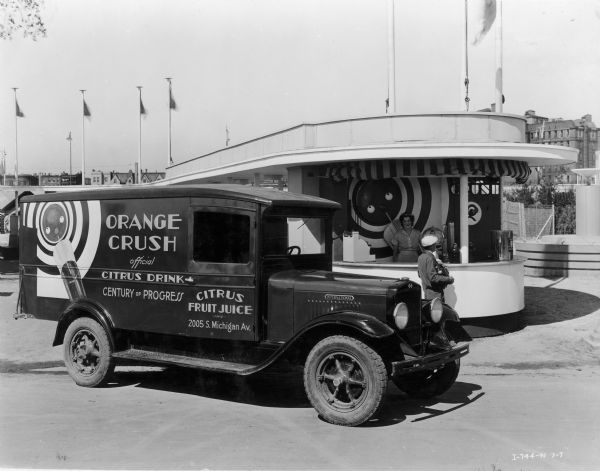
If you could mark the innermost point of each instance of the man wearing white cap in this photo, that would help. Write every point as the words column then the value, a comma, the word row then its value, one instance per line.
column 434, row 276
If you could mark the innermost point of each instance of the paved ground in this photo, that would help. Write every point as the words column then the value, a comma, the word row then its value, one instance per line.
column 527, row 400
column 511, row 421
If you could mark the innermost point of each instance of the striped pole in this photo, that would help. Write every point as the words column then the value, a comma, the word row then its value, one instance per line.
column 171, row 106
column 391, row 58
column 139, row 170
column 499, row 65
column 17, row 113
column 83, row 138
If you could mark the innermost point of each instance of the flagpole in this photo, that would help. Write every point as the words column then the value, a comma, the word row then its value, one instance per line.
column 499, row 65
column 83, row 139
column 16, row 138
column 4, row 167
column 139, row 172
column 70, row 139
column 169, row 156
column 391, row 58
column 465, row 64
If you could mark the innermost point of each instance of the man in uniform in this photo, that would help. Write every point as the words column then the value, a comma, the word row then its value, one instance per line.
column 434, row 276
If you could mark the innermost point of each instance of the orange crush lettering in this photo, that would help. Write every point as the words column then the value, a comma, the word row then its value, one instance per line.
column 152, row 243
column 147, row 221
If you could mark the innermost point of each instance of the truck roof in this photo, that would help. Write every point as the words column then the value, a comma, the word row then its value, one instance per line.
column 266, row 196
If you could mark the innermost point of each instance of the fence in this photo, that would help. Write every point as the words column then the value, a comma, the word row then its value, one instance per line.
column 527, row 222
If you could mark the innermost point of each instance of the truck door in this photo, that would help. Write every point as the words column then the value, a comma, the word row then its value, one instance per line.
column 221, row 303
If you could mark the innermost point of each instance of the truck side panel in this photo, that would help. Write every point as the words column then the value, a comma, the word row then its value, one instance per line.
column 132, row 256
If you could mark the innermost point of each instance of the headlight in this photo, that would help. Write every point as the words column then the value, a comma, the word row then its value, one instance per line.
column 401, row 315
column 436, row 309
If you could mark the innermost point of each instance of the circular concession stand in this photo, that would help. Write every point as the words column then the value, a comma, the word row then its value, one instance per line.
column 445, row 169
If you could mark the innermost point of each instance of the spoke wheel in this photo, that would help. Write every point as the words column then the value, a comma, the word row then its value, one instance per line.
column 87, row 352
column 345, row 380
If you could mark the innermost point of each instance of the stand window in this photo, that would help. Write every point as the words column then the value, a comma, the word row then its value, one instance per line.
column 221, row 237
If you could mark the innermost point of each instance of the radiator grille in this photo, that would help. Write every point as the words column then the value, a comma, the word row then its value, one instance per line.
column 320, row 306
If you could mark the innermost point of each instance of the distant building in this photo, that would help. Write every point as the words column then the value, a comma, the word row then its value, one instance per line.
column 64, row 179
column 24, row 180
column 149, row 177
column 98, row 177
column 581, row 134
column 48, row 179
column 67, row 180
column 122, row 178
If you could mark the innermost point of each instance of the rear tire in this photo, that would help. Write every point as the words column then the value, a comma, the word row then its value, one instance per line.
column 345, row 380
column 88, row 353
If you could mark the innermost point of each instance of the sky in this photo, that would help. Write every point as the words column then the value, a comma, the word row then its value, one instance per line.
column 261, row 66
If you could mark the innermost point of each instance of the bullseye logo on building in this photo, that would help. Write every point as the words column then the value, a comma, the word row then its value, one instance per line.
column 77, row 223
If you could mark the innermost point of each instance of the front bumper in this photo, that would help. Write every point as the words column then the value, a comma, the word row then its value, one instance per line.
column 429, row 362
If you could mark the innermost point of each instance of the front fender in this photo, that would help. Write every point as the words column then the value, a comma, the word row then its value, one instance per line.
column 365, row 323
column 451, row 323
column 449, row 314
column 79, row 308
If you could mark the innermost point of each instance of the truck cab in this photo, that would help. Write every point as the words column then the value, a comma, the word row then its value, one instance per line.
column 227, row 278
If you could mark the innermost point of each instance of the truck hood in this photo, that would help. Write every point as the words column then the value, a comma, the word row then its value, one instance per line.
column 316, row 293
column 319, row 281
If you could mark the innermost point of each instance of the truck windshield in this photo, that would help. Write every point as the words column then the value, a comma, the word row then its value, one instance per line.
column 293, row 235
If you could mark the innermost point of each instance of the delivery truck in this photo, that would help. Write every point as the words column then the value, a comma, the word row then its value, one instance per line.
column 226, row 278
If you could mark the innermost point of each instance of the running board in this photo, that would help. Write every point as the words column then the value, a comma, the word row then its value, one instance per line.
column 186, row 361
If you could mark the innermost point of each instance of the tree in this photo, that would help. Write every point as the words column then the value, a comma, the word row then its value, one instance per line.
column 564, row 219
column 564, row 198
column 21, row 15
column 564, row 212
column 546, row 194
column 521, row 194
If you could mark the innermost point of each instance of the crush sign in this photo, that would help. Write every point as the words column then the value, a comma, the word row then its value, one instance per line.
column 144, row 235
column 147, row 245
column 134, row 232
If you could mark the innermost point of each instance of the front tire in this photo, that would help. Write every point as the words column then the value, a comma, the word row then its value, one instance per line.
column 345, row 380
column 88, row 353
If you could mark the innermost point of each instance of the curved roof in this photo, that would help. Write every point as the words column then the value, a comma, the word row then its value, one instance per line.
column 487, row 136
column 265, row 196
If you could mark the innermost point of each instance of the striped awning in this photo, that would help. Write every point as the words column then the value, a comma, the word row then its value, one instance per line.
column 379, row 169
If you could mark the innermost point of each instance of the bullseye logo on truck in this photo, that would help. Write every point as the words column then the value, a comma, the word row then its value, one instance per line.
column 71, row 223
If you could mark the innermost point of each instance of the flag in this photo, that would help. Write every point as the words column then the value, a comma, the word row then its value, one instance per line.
column 483, row 16
column 86, row 110
column 142, row 109
column 172, row 104
column 18, row 111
